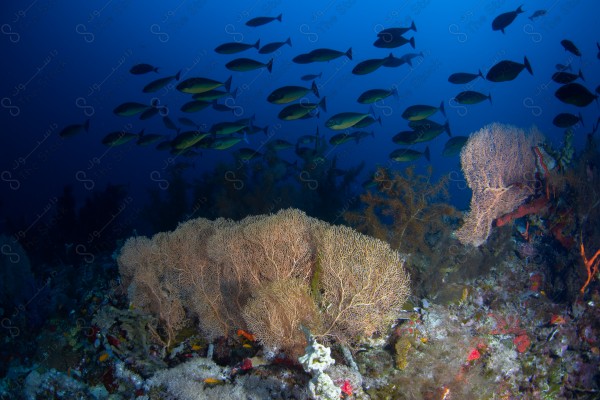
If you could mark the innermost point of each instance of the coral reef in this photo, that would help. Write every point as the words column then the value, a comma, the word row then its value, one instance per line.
column 223, row 274
column 500, row 168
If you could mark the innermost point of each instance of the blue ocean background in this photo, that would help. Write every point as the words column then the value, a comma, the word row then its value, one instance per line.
column 66, row 63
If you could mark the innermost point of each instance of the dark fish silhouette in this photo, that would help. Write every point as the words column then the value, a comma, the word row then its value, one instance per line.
column 74, row 129
column 321, row 55
column 503, row 20
column 258, row 21
column 287, row 94
column 195, row 106
column 463, row 77
column 140, row 69
column 575, row 94
column 160, row 83
column 130, row 108
column 119, row 138
column 201, row 85
column 368, row 66
column 562, row 67
column 235, row 47
column 271, row 47
column 403, row 155
column 391, row 41
column 538, row 13
column 247, row 64
column 566, row 77
column 507, row 70
column 566, row 120
column 454, row 145
column 373, row 95
column 149, row 113
column 397, row 31
column 570, row 47
column 429, row 130
column 471, row 97
column 419, row 112
column 311, row 77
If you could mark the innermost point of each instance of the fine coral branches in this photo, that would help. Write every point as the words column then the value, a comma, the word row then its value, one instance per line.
column 405, row 205
column 262, row 273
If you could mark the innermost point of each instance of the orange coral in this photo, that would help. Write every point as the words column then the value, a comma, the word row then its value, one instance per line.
column 591, row 266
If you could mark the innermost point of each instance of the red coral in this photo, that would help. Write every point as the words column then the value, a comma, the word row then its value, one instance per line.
column 474, row 355
column 246, row 364
column 506, row 325
column 347, row 388
column 533, row 207
column 522, row 342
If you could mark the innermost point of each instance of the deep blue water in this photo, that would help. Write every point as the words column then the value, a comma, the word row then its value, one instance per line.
column 64, row 63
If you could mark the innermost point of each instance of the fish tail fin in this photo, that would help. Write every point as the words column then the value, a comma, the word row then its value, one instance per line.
column 320, row 74
column 155, row 69
column 86, row 125
column 372, row 111
column 442, row 110
column 266, row 129
column 279, row 17
column 413, row 26
column 412, row 42
column 349, row 53
column 480, row 74
column 531, row 18
column 246, row 138
column 379, row 120
column 227, row 84
column 520, row 9
column 527, row 65
column 395, row 93
column 581, row 119
column 323, row 104
column 409, row 61
column 178, row 75
column 427, row 154
column 289, row 41
column 372, row 133
column 315, row 89
column 447, row 128
column 581, row 75
column 270, row 65
column 257, row 44
column 234, row 93
column 490, row 98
